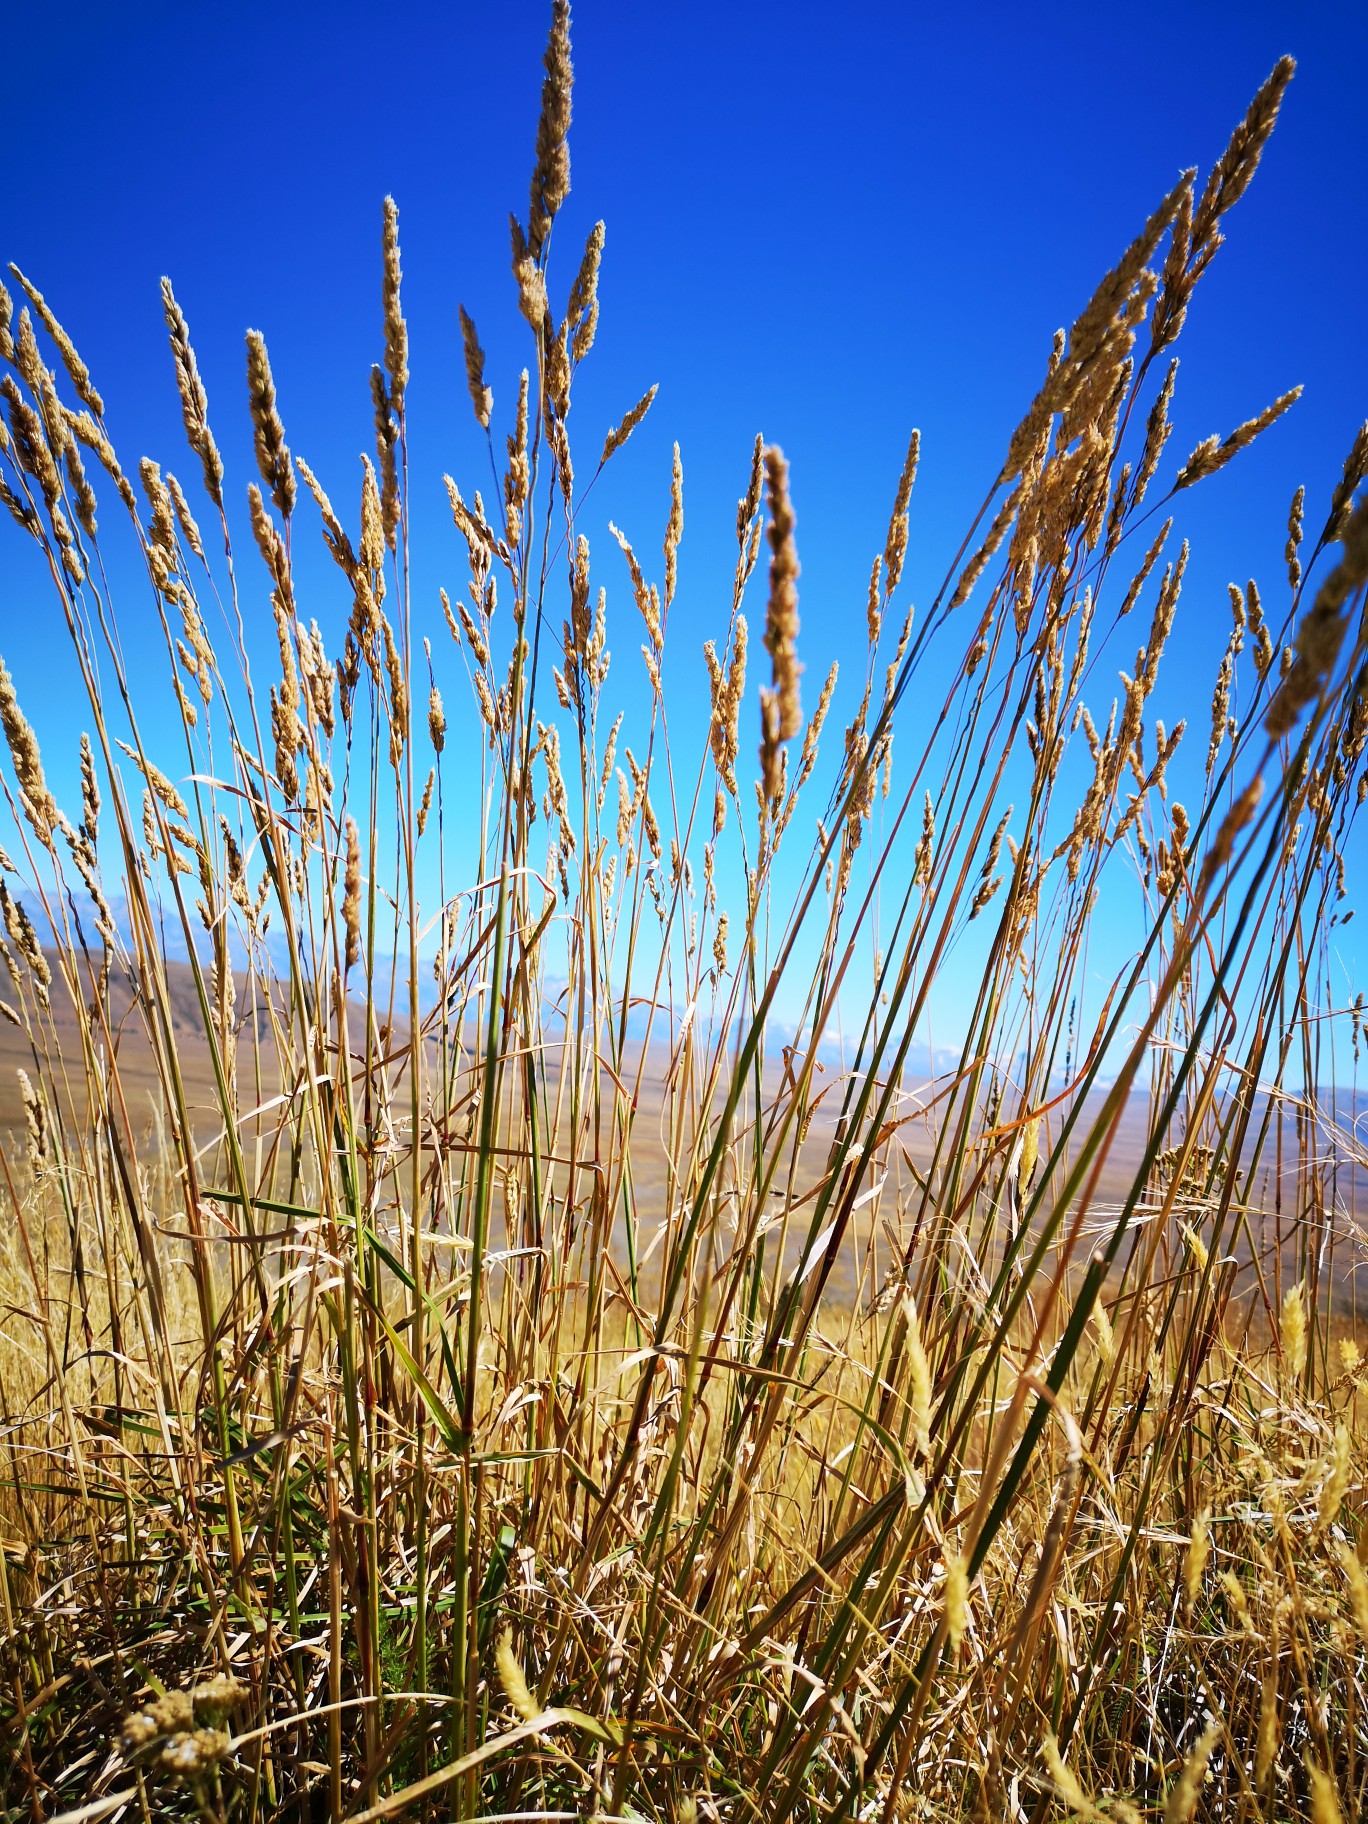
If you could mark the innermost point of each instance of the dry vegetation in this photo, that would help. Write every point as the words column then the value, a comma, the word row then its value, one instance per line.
column 479, row 1397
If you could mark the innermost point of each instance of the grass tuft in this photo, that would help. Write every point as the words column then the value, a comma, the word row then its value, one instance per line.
column 504, row 1376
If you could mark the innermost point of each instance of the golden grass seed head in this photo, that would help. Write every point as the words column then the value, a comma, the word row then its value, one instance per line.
column 320, row 677
column 1030, row 1151
column 81, row 491
column 646, row 599
column 39, row 803
column 1197, row 1556
column 194, row 402
column 1236, row 1598
column 474, row 528
column 26, row 356
column 426, row 805
column 1342, row 500
column 185, row 519
column 30, row 448
column 548, row 739
column 873, row 607
column 1162, row 624
column 1220, row 701
column 1212, row 454
column 272, row 548
column 532, row 300
column 488, row 709
column 1231, row 175
column 621, row 432
column 811, row 737
column 674, row 531
column 580, row 627
column 988, row 881
column 285, row 729
column 1092, row 326
column 727, row 725
column 1325, row 1805
column 449, row 617
column 25, row 939
column 351, row 896
column 513, row 1679
column 895, row 547
column 436, row 720
column 162, row 530
column 481, row 396
column 21, row 512
column 1234, row 821
column 771, row 748
column 609, row 752
column 1292, row 1331
column 517, row 475
column 35, row 1119
column 474, row 638
column 749, row 504
column 1178, row 276
column 1357, row 1579
column 1158, row 430
column 956, row 1600
column 6, row 319
column 1103, row 318
column 1182, row 1795
column 920, row 1389
column 559, row 439
column 1116, row 517
column 386, row 455
column 551, row 174
column 1294, row 537
column 87, row 432
column 921, row 870
column 1322, row 630
column 1269, row 1731
column 979, row 562
column 77, row 370
column 781, row 618
column 334, row 537
column 396, row 330
column 372, row 547
column 398, row 693
column 1337, row 1469
column 582, row 311
column 90, row 793
column 268, row 433
column 1066, row 1783
column 1238, row 615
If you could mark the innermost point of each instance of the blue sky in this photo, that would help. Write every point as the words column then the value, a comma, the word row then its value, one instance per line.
column 827, row 226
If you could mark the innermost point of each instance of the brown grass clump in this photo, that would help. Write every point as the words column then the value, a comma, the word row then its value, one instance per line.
column 511, row 1381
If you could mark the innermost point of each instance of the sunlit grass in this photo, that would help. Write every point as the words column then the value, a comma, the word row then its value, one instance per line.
column 515, row 1384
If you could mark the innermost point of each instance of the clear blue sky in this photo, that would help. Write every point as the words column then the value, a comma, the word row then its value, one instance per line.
column 825, row 224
